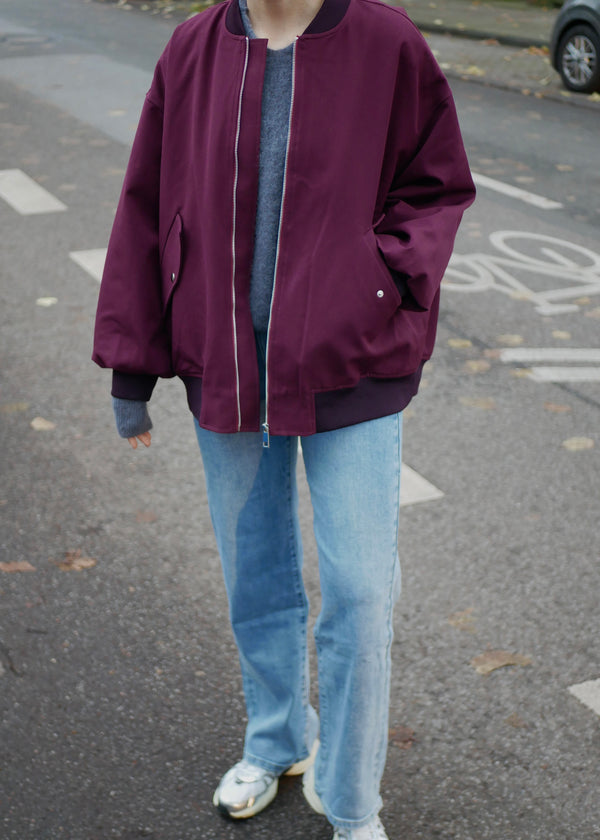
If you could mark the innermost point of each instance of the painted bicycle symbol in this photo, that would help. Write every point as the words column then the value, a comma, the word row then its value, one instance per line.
column 524, row 269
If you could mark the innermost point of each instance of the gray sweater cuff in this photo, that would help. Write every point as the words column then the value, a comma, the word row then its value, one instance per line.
column 131, row 417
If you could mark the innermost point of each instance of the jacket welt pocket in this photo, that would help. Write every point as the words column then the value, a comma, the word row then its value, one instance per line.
column 170, row 261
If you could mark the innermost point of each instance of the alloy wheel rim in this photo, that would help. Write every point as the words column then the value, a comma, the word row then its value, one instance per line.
column 579, row 60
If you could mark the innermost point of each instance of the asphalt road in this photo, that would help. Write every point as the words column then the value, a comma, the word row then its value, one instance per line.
column 120, row 698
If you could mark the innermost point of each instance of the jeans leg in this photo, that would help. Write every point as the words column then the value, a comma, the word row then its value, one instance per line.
column 253, row 504
column 354, row 479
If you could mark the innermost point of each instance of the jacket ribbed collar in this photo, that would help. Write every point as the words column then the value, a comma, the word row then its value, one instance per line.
column 328, row 16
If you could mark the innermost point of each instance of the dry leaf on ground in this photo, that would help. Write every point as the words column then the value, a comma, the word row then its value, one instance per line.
column 516, row 720
column 491, row 660
column 14, row 407
column 402, row 737
column 485, row 403
column 463, row 620
column 145, row 516
column 459, row 343
column 578, row 444
column 510, row 339
column 42, row 425
column 46, row 301
column 477, row 366
column 75, row 562
column 557, row 408
column 17, row 566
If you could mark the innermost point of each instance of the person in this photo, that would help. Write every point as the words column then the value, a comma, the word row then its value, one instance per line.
column 290, row 206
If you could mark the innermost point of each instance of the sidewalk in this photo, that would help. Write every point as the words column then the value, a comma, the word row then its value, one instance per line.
column 501, row 44
column 512, row 23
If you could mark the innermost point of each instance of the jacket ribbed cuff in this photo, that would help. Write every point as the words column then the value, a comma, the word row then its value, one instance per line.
column 132, row 386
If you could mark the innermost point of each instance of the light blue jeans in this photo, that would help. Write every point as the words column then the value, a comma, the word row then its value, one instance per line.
column 354, row 479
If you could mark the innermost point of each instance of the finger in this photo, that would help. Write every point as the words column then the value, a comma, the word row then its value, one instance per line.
column 132, row 442
column 146, row 438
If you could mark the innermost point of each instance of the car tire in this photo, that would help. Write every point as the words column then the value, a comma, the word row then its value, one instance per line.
column 579, row 59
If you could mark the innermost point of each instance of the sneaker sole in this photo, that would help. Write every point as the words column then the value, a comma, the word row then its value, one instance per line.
column 300, row 767
column 257, row 806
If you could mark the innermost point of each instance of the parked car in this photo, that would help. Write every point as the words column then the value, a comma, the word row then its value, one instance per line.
column 575, row 45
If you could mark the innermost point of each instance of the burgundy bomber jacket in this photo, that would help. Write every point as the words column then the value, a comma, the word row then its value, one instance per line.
column 376, row 181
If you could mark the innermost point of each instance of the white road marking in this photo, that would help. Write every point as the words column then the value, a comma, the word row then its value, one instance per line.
column 564, row 374
column 515, row 192
column 414, row 488
column 520, row 256
column 551, row 354
column 25, row 195
column 556, row 373
column 588, row 693
column 91, row 261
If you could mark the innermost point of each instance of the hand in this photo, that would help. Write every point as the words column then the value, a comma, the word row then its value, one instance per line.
column 145, row 438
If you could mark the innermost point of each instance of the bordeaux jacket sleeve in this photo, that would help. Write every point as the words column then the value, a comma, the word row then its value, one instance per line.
column 130, row 334
column 431, row 185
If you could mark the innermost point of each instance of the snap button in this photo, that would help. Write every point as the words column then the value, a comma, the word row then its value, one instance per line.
column 380, row 293
column 173, row 277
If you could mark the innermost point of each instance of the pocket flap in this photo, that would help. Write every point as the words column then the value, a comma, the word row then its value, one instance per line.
column 170, row 263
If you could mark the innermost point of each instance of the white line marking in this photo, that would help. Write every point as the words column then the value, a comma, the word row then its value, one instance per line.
column 588, row 693
column 515, row 192
column 550, row 354
column 564, row 374
column 91, row 261
column 414, row 488
column 25, row 195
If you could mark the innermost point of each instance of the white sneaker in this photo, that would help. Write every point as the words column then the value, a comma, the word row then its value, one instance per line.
column 372, row 831
column 246, row 788
column 308, row 789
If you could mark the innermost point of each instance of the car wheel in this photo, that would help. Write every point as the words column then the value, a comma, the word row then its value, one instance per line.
column 579, row 59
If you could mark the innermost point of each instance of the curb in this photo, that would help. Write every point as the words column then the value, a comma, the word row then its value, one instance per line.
column 479, row 35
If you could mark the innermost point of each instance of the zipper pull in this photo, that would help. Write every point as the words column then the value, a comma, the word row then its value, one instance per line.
column 266, row 439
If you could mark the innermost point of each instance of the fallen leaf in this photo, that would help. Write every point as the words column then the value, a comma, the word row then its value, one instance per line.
column 492, row 353
column 521, row 373
column 477, row 366
column 46, row 301
column 578, row 444
column 41, row 425
column 593, row 313
column 491, row 660
column 485, row 403
column 564, row 335
column 516, row 720
column 473, row 70
column 75, row 562
column 459, row 343
column 12, row 408
column 557, row 408
column 510, row 339
column 463, row 620
column 594, row 97
column 402, row 737
column 145, row 516
column 564, row 167
column 17, row 566
column 583, row 301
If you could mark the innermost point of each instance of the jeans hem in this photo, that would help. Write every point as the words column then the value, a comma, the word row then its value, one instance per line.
column 336, row 822
column 277, row 769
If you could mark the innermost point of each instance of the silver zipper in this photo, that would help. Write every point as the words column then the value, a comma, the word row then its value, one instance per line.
column 265, row 425
column 233, row 236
